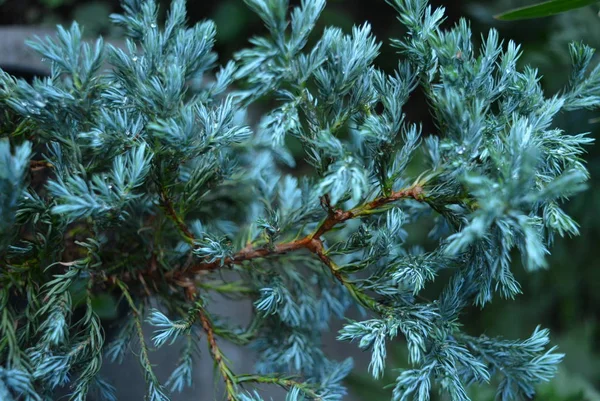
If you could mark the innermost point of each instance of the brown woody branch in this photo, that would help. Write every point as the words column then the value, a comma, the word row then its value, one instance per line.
column 311, row 242
column 172, row 214
column 218, row 356
column 35, row 165
column 228, row 376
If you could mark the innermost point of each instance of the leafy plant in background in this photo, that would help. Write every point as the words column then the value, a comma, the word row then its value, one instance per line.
column 144, row 181
column 544, row 9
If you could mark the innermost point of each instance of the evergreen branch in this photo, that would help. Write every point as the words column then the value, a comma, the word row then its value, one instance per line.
column 359, row 295
column 169, row 209
column 151, row 138
column 239, row 337
column 236, row 287
column 155, row 391
column 8, row 330
column 285, row 382
column 182, row 375
column 94, row 343
column 217, row 354
column 337, row 216
column 228, row 376
column 312, row 242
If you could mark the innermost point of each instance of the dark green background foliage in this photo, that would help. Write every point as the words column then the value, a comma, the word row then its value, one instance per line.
column 544, row 9
column 563, row 297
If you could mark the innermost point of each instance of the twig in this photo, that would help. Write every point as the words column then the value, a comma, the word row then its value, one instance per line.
column 217, row 355
column 311, row 242
column 172, row 214
column 36, row 165
column 226, row 373
column 145, row 357
column 284, row 382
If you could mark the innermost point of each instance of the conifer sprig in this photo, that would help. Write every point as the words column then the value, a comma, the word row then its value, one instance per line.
column 145, row 182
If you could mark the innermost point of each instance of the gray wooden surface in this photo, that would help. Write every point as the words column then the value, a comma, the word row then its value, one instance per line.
column 14, row 52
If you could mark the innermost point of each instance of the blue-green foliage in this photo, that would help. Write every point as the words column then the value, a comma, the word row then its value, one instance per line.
column 135, row 172
column 13, row 168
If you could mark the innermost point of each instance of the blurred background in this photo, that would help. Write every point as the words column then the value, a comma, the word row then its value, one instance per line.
column 564, row 298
